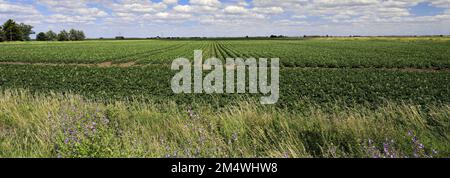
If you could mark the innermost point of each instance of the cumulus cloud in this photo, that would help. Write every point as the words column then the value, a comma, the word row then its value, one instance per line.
column 205, row 2
column 8, row 8
column 235, row 10
column 183, row 8
column 22, row 12
column 69, row 11
column 130, row 6
column 268, row 10
column 170, row 1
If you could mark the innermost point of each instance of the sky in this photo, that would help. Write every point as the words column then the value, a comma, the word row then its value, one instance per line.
column 232, row 18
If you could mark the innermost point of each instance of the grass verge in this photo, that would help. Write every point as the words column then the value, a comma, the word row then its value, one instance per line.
column 67, row 125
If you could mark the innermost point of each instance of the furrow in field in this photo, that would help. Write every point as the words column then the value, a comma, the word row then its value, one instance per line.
column 212, row 50
column 227, row 52
column 245, row 54
column 222, row 52
column 234, row 52
column 167, row 56
column 216, row 52
column 219, row 53
column 152, row 52
column 209, row 52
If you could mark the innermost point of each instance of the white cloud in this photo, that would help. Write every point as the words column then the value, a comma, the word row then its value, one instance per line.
column 205, row 2
column 6, row 8
column 269, row 10
column 20, row 12
column 441, row 3
column 94, row 12
column 138, row 7
column 170, row 1
column 59, row 18
column 236, row 10
column 182, row 8
column 69, row 11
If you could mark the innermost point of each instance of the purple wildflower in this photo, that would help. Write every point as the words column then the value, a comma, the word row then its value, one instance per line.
column 235, row 136
column 286, row 155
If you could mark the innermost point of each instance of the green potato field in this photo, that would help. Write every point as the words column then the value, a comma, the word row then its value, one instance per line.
column 339, row 97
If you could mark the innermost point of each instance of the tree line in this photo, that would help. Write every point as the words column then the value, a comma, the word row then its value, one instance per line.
column 72, row 35
column 12, row 31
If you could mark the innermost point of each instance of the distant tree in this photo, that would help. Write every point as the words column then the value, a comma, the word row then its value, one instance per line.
column 26, row 31
column 275, row 36
column 1, row 34
column 73, row 35
column 63, row 36
column 41, row 37
column 80, row 35
column 11, row 31
column 76, row 35
column 51, row 36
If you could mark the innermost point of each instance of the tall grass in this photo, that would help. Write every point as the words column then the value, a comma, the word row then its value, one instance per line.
column 65, row 125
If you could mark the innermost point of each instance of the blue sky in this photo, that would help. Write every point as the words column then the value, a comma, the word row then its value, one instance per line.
column 426, row 9
column 148, row 18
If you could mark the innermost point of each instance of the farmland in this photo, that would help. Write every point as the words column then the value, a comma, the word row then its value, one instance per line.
column 420, row 53
column 342, row 97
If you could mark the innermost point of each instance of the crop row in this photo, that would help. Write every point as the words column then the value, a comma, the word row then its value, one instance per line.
column 293, row 53
column 329, row 53
column 371, row 86
column 84, row 52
